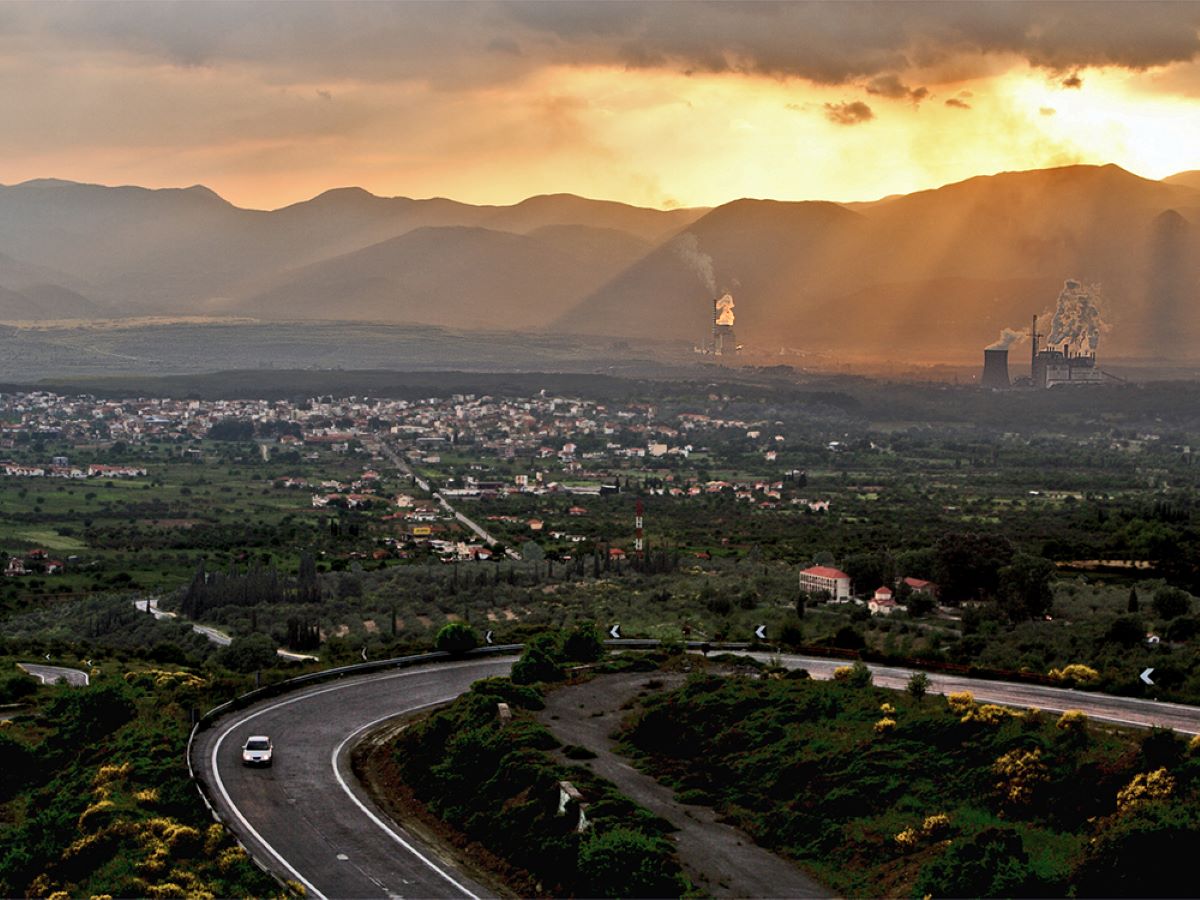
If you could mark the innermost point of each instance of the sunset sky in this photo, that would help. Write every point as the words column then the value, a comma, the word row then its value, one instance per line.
column 658, row 104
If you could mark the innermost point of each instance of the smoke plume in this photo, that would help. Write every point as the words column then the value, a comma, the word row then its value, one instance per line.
column 1007, row 338
column 1077, row 321
column 688, row 248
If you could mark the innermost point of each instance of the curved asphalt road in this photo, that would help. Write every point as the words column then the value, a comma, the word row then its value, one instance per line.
column 308, row 820
column 306, row 817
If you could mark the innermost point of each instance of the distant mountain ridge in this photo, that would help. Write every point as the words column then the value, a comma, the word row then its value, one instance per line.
column 932, row 275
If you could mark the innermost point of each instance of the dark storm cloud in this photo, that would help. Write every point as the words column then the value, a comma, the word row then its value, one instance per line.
column 854, row 113
column 447, row 43
column 958, row 104
column 1073, row 81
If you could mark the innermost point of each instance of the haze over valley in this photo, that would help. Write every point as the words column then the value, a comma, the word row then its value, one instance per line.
column 927, row 277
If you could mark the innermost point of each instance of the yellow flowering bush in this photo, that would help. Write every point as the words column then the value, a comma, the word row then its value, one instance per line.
column 229, row 858
column 960, row 703
column 989, row 714
column 841, row 673
column 166, row 678
column 95, row 815
column 936, row 825
column 1194, row 744
column 213, row 835
column 1156, row 785
column 883, row 726
column 933, row 828
column 1074, row 720
column 1075, row 674
column 887, row 709
column 1021, row 773
column 111, row 773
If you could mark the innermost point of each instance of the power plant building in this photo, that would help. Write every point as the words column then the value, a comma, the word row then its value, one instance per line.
column 1052, row 367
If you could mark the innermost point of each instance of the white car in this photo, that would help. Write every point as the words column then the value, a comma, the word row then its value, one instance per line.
column 257, row 750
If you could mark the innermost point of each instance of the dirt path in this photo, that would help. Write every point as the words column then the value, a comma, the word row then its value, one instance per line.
column 719, row 859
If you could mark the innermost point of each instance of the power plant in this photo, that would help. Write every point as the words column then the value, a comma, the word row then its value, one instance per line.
column 1069, row 354
column 1051, row 367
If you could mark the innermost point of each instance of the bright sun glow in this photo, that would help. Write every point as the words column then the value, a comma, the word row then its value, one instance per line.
column 1113, row 118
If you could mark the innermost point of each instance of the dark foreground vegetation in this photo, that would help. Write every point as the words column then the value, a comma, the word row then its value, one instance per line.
column 886, row 794
column 95, row 797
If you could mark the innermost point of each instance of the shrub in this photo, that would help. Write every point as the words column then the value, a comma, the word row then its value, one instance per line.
column 621, row 862
column 1156, row 785
column 583, row 644
column 989, row 714
column 1073, row 721
column 1021, row 772
column 1171, row 603
column 918, row 686
column 456, row 637
column 1075, row 674
column 992, row 863
column 960, row 702
column 541, row 661
column 15, row 688
column 856, row 676
column 1148, row 851
column 884, row 726
column 247, row 653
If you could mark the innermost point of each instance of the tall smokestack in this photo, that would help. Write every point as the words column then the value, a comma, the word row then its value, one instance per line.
column 995, row 369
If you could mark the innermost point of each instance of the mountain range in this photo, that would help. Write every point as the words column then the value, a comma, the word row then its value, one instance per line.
column 934, row 275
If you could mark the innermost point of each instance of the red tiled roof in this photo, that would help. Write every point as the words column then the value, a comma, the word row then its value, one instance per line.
column 825, row 572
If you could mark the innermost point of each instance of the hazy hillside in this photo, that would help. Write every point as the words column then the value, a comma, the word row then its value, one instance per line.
column 1190, row 178
column 754, row 248
column 935, row 274
column 182, row 251
column 930, row 275
column 455, row 276
column 567, row 209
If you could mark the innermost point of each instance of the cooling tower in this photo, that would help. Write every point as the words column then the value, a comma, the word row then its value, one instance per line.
column 995, row 369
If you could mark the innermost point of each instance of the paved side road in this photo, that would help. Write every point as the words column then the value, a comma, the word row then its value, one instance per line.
column 55, row 674
column 719, row 859
column 306, row 817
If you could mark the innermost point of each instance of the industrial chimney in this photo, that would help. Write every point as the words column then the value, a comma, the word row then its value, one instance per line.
column 995, row 369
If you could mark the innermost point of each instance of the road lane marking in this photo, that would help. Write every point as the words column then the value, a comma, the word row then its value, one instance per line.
column 237, row 723
column 374, row 818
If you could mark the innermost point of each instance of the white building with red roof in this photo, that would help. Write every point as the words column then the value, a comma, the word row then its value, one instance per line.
column 882, row 602
column 834, row 582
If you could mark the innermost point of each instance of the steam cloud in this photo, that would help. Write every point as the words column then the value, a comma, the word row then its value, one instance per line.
column 1077, row 321
column 688, row 248
column 724, row 310
column 1007, row 338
